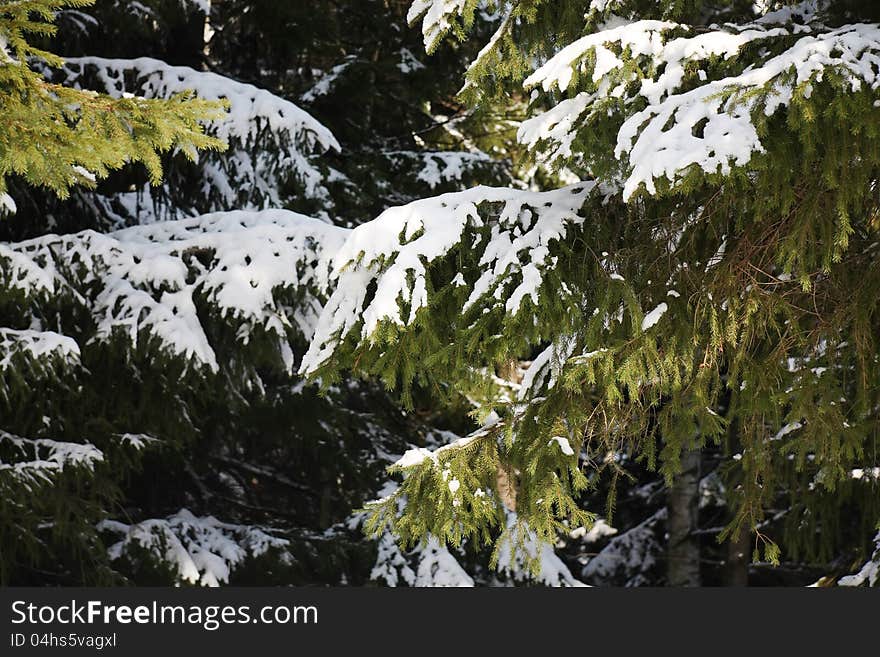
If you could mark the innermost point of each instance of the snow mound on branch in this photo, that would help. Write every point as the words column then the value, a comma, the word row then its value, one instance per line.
column 18, row 271
column 202, row 550
column 250, row 108
column 729, row 135
column 393, row 251
column 439, row 167
column 428, row 565
column 38, row 461
column 437, row 17
column 147, row 279
column 869, row 575
column 268, row 135
column 37, row 345
column 628, row 557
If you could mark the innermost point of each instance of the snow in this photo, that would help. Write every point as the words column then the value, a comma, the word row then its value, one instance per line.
column 40, row 460
column 250, row 108
column 661, row 140
column 564, row 445
column 787, row 429
column 393, row 251
column 137, row 441
column 436, row 17
column 146, row 280
column 519, row 545
column 432, row 564
column 599, row 530
column 7, row 204
column 202, row 550
column 435, row 168
column 203, row 6
column 429, row 564
column 641, row 37
column 268, row 135
column 549, row 362
column 325, row 83
column 409, row 63
column 438, row 568
column 449, row 166
column 865, row 473
column 869, row 574
column 504, row 15
column 628, row 556
column 801, row 12
column 557, row 126
column 37, row 345
column 654, row 316
column 418, row 455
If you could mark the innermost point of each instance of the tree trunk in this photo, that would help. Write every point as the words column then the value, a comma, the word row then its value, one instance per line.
column 683, row 553
column 736, row 570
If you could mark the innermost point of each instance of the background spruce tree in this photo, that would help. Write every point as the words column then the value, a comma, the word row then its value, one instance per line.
column 141, row 370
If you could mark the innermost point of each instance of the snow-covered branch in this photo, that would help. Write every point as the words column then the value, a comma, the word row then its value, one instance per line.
column 200, row 550
column 146, row 280
column 393, row 253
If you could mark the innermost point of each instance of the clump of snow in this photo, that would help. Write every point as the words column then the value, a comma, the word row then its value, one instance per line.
column 628, row 556
column 325, row 83
column 654, row 316
column 251, row 109
column 599, row 530
column 662, row 140
column 436, row 15
column 268, row 135
column 36, row 345
column 7, row 204
column 419, row 455
column 564, row 445
column 137, row 441
column 549, row 362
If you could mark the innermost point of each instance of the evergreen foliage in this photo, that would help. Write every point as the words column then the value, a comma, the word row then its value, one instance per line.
column 58, row 137
column 632, row 230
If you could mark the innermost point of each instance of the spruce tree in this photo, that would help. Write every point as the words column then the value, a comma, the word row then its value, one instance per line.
column 711, row 281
